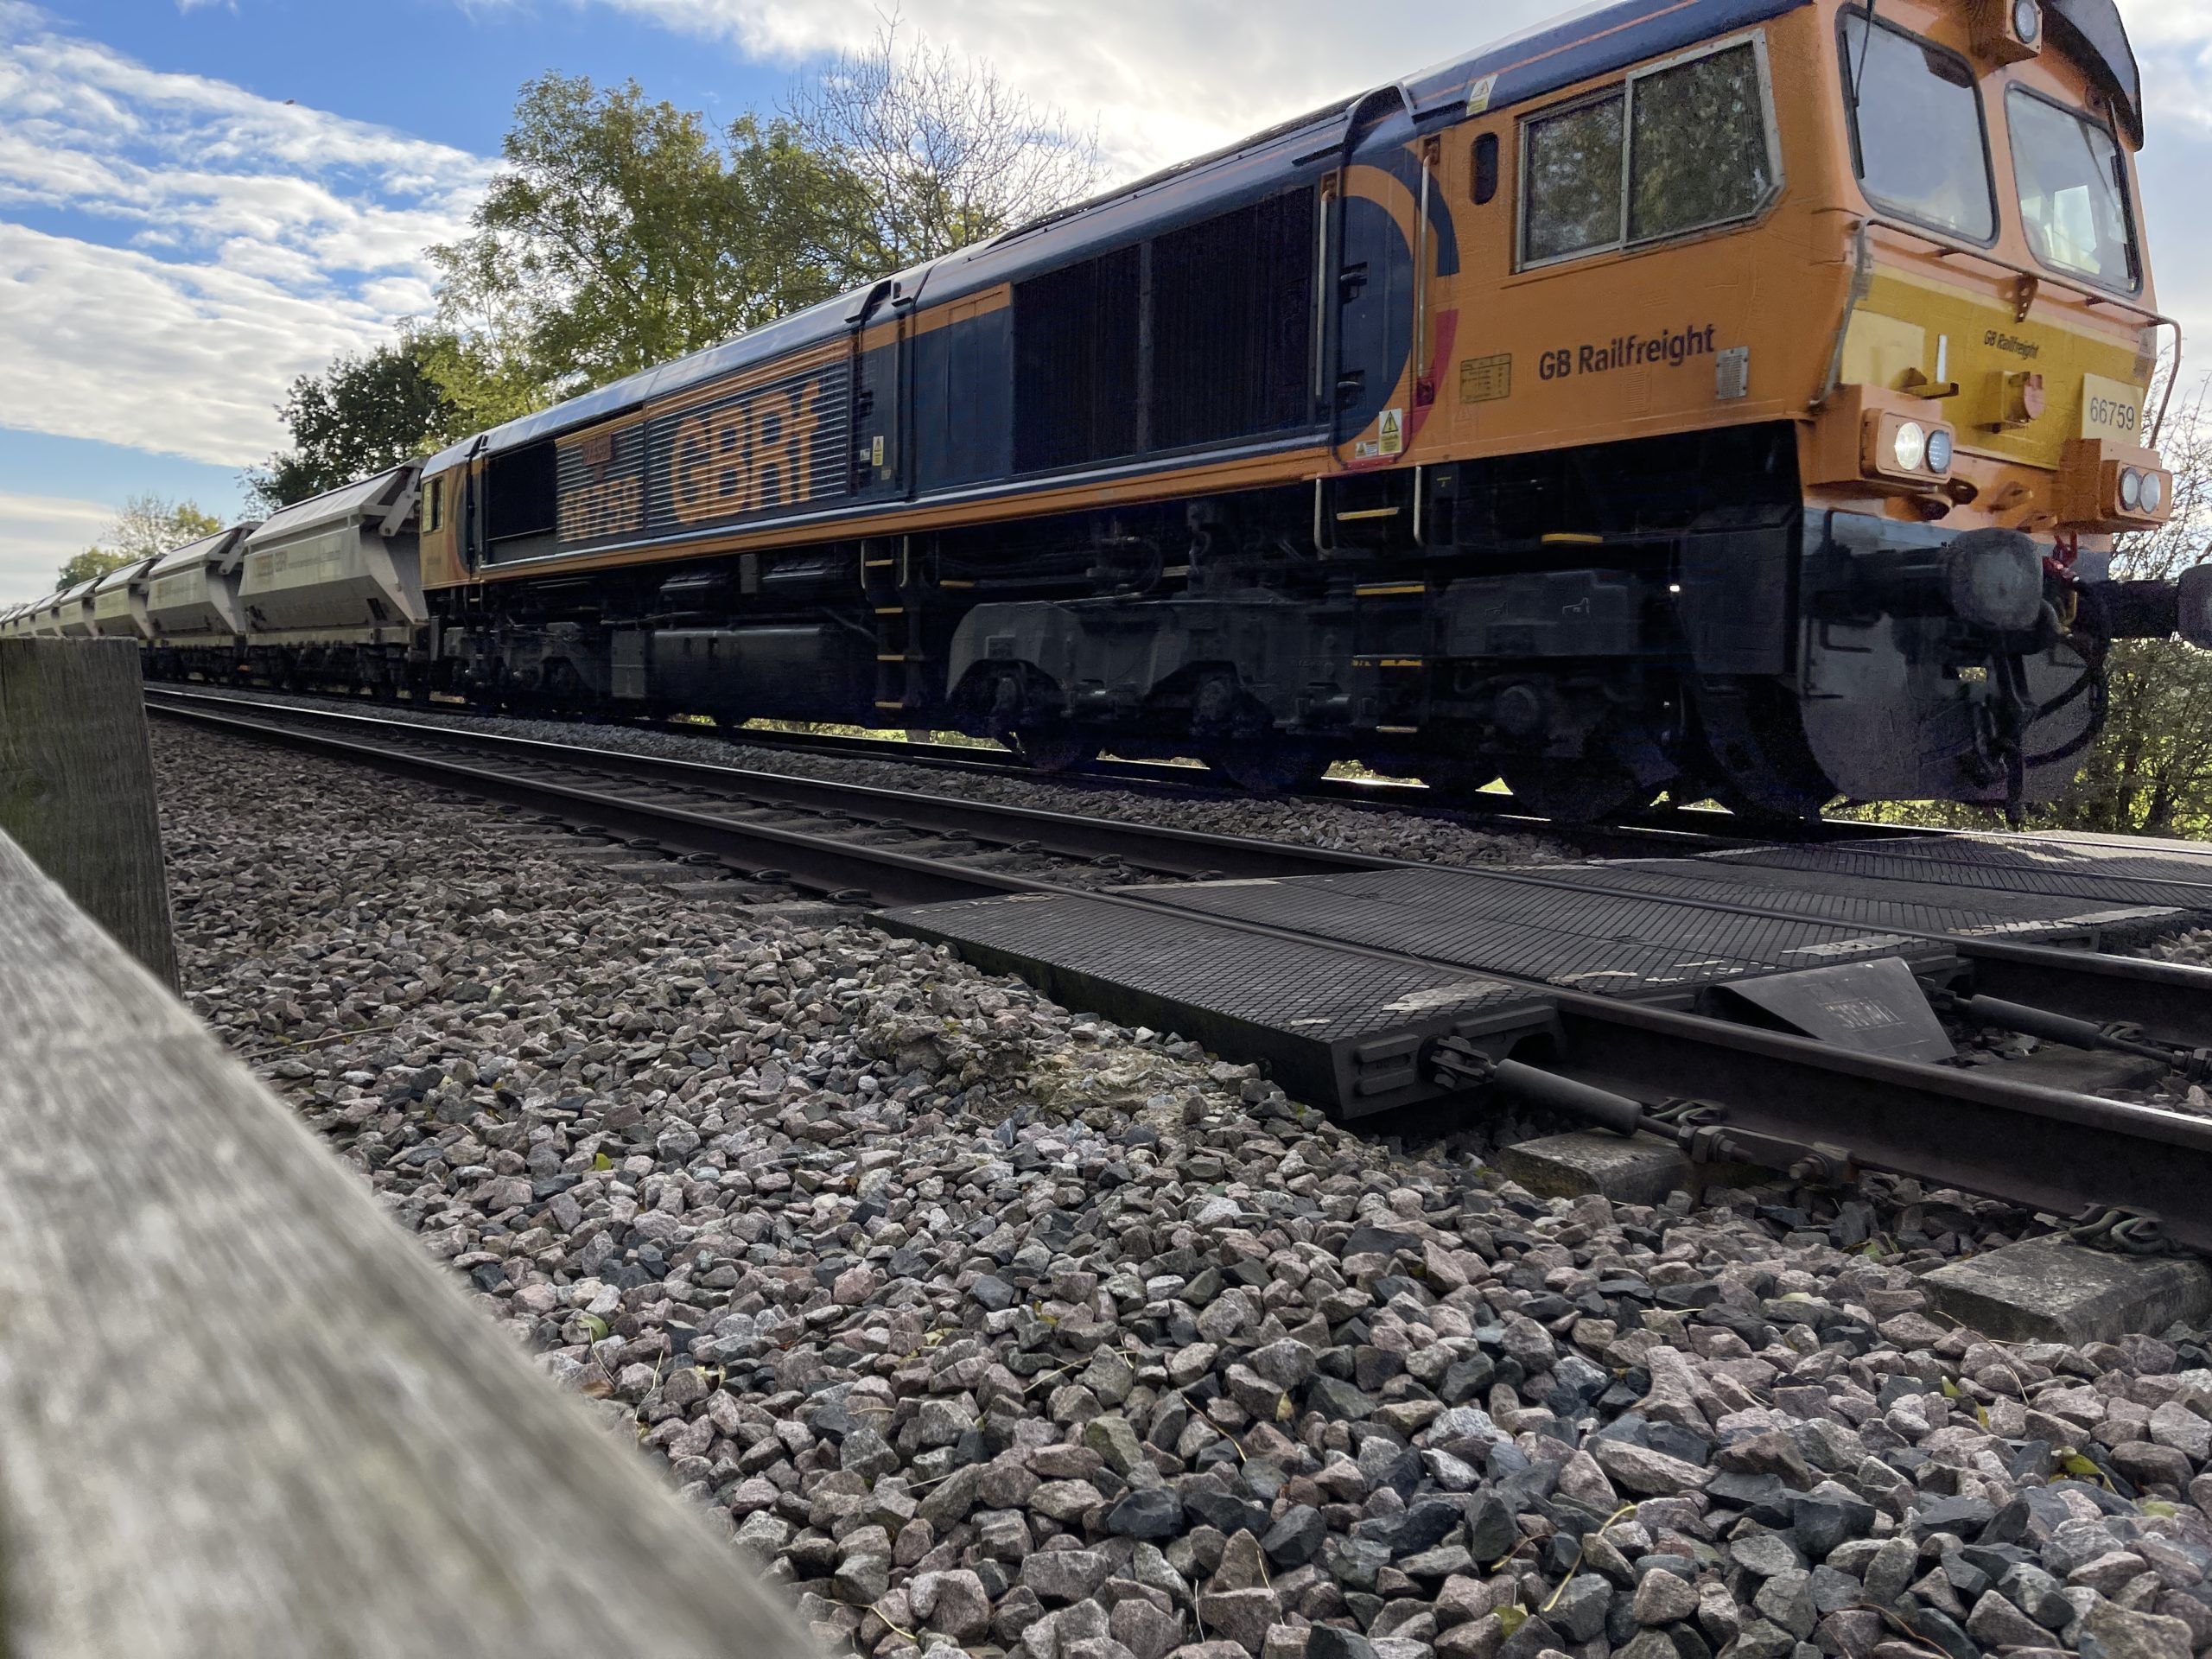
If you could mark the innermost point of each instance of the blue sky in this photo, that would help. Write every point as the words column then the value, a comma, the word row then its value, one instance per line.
column 202, row 198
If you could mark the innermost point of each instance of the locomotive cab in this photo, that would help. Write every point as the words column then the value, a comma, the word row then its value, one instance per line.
column 1984, row 426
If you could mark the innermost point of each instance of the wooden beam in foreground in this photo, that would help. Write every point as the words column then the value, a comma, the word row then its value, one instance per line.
column 240, row 1411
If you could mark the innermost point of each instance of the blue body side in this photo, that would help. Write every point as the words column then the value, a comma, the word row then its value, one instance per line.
column 963, row 402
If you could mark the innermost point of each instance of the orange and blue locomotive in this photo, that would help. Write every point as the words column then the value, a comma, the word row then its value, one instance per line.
column 1716, row 397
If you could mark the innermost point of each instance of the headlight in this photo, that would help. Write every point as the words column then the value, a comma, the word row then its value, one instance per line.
column 1911, row 446
column 2027, row 20
column 2154, row 491
column 2131, row 491
column 1939, row 451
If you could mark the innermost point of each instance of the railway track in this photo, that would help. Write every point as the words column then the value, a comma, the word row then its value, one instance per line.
column 852, row 841
column 1697, row 1060
column 1659, row 832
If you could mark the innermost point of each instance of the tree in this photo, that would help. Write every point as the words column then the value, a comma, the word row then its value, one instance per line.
column 360, row 416
column 92, row 561
column 624, row 233
column 147, row 525
column 946, row 154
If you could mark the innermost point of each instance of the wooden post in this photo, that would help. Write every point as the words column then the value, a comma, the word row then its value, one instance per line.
column 77, row 785
column 240, row 1411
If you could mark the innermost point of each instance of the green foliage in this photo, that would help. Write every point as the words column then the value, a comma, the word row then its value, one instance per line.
column 360, row 416
column 92, row 561
column 2152, row 773
column 623, row 233
column 148, row 524
column 485, row 379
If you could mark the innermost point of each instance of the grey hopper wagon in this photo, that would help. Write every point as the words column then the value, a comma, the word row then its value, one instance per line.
column 119, row 603
column 71, row 613
column 193, row 596
column 342, row 567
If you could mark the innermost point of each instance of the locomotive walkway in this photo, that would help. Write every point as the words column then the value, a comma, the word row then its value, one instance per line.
column 1775, row 1005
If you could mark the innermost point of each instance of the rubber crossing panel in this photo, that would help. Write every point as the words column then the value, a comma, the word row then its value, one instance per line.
column 2110, row 876
column 1573, row 938
column 1933, row 906
column 1334, row 1026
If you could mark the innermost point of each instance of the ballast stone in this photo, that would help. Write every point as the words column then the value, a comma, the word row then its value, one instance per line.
column 2049, row 1290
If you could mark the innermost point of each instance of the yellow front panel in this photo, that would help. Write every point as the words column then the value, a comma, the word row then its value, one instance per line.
column 1982, row 343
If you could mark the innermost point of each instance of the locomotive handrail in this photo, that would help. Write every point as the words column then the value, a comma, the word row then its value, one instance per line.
column 1948, row 247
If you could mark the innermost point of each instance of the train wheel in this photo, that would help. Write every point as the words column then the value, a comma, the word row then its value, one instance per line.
column 1270, row 769
column 1577, row 791
column 1461, row 783
column 1764, row 771
column 1049, row 749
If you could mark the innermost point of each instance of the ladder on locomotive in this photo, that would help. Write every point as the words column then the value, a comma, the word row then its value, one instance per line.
column 890, row 580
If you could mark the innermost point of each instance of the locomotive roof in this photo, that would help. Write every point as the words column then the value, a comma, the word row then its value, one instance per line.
column 1594, row 41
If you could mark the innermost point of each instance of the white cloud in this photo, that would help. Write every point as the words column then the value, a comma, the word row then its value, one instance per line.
column 229, row 242
column 1163, row 78
column 1223, row 68
column 112, row 344
column 38, row 535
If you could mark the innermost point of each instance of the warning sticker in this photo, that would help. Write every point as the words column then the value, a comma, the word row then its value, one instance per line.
column 1478, row 95
column 1391, row 439
column 877, row 459
column 1485, row 380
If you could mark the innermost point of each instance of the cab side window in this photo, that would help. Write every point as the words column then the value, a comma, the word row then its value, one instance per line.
column 1684, row 147
column 1698, row 147
column 1573, row 193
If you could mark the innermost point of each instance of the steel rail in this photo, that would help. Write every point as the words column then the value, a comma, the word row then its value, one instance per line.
column 704, row 770
column 1661, row 830
column 1158, row 847
column 2045, row 1149
column 826, row 864
column 2172, row 1001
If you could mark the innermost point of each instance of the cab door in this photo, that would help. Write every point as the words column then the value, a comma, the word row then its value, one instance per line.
column 880, row 371
column 1374, row 271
